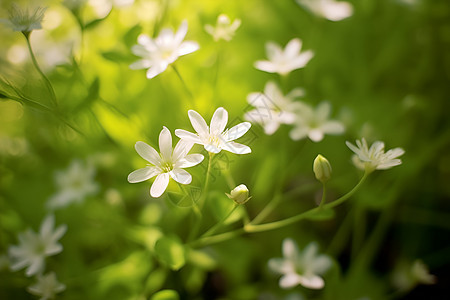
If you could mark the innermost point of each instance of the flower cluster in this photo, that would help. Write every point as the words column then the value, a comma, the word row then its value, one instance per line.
column 170, row 163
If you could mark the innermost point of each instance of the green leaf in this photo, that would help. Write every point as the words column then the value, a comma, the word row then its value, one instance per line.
column 166, row 295
column 322, row 215
column 201, row 259
column 131, row 35
column 171, row 252
column 117, row 56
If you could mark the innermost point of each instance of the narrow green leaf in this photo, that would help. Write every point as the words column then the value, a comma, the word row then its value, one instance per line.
column 166, row 295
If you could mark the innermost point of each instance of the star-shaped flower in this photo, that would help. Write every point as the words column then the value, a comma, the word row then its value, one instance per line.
column 374, row 158
column 24, row 20
column 47, row 286
column 74, row 185
column 314, row 123
column 328, row 9
column 166, row 164
column 157, row 54
column 224, row 28
column 300, row 268
column 272, row 108
column 284, row 61
column 215, row 138
column 33, row 247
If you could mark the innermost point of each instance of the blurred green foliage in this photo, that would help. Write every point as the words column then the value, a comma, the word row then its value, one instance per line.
column 385, row 70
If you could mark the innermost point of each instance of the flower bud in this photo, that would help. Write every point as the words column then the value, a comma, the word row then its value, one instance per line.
column 239, row 194
column 322, row 168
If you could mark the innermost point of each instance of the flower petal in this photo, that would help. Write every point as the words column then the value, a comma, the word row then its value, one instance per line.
column 289, row 280
column 143, row 174
column 290, row 249
column 141, row 64
column 219, row 121
column 159, row 185
column 156, row 69
column 189, row 161
column 181, row 32
column 181, row 176
column 181, row 149
column 293, row 47
column 198, row 122
column 312, row 282
column 165, row 144
column 47, row 226
column 236, row 148
column 265, row 65
column 36, row 266
column 212, row 149
column 188, row 136
column 237, row 131
column 148, row 153
column 187, row 47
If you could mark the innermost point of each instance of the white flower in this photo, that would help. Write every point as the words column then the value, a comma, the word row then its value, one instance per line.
column 33, row 247
column 224, row 28
column 300, row 268
column 74, row 185
column 315, row 123
column 165, row 165
column 284, row 61
column 272, row 107
column 24, row 20
column 374, row 158
column 328, row 9
column 215, row 138
column 47, row 286
column 157, row 54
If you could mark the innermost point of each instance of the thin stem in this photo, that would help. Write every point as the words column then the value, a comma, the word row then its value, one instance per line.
column 205, row 187
column 251, row 227
column 36, row 65
column 324, row 195
column 220, row 223
column 183, row 82
column 267, row 209
column 274, row 225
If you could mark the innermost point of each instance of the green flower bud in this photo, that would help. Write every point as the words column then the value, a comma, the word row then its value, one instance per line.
column 239, row 194
column 322, row 168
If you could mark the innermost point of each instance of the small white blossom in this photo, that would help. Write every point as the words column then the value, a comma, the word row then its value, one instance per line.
column 328, row 9
column 157, row 54
column 406, row 275
column 272, row 108
column 224, row 28
column 215, row 138
column 47, row 286
column 33, row 247
column 315, row 123
column 300, row 268
column 374, row 158
column 284, row 61
column 24, row 20
column 239, row 194
column 74, row 185
column 165, row 165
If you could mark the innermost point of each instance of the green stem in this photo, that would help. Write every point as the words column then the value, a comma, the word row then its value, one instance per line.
column 324, row 195
column 183, row 82
column 220, row 223
column 277, row 224
column 36, row 65
column 267, row 209
column 251, row 227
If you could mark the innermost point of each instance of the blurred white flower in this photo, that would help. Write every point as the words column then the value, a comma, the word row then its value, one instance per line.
column 300, row 268
column 165, row 165
column 284, row 61
column 47, row 286
column 272, row 108
column 406, row 275
column 374, row 158
column 24, row 20
column 215, row 138
column 33, row 247
column 157, row 54
column 224, row 28
column 314, row 123
column 74, row 185
column 328, row 9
